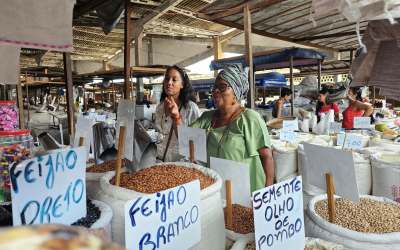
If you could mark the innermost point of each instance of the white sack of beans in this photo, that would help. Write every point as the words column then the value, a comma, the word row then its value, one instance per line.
column 386, row 175
column 285, row 158
column 318, row 227
column 106, row 214
column 385, row 144
column 362, row 167
column 211, row 211
column 93, row 178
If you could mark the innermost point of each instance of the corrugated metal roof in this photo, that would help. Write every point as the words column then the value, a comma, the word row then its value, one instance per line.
column 290, row 20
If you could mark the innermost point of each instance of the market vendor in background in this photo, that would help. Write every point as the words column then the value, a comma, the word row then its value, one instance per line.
column 281, row 106
column 236, row 133
column 356, row 108
column 177, row 92
column 324, row 107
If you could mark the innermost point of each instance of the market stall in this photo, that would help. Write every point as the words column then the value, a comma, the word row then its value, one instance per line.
column 278, row 59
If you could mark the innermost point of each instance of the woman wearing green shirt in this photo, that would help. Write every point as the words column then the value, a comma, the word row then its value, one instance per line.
column 233, row 132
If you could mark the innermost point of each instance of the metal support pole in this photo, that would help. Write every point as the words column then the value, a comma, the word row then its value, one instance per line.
column 28, row 104
column 70, row 93
column 291, row 86
column 319, row 74
column 249, row 55
column 351, row 57
column 127, row 49
column 20, row 102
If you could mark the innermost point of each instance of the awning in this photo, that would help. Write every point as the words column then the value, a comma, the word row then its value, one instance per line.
column 274, row 59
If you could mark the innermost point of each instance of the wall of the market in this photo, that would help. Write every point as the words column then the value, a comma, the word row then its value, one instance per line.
column 165, row 51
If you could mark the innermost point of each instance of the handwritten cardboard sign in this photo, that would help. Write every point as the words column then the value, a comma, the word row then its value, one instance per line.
column 84, row 128
column 339, row 163
column 126, row 117
column 289, row 136
column 290, row 125
column 50, row 188
column 198, row 136
column 278, row 216
column 166, row 220
column 362, row 122
column 239, row 174
column 335, row 127
column 350, row 141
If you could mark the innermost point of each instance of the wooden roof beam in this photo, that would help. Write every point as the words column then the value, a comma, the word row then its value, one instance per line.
column 252, row 4
column 274, row 36
column 335, row 35
column 289, row 11
column 230, row 35
column 167, row 5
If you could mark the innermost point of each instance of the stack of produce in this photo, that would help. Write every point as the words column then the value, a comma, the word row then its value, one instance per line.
column 159, row 178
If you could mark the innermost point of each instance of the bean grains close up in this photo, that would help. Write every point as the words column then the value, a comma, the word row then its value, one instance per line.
column 159, row 178
column 367, row 216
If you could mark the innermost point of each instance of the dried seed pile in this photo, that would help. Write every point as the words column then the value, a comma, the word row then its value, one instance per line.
column 367, row 216
column 158, row 178
column 5, row 215
column 105, row 166
column 242, row 221
column 92, row 215
column 252, row 246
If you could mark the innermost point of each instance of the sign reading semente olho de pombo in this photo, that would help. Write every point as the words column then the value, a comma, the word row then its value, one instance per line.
column 278, row 216
column 169, row 219
column 49, row 188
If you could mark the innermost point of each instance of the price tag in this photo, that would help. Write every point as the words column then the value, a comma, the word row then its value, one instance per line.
column 288, row 136
column 290, row 125
column 353, row 141
column 279, row 216
column 362, row 122
column 50, row 188
column 166, row 220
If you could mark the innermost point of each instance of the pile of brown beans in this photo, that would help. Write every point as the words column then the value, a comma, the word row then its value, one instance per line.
column 106, row 166
column 252, row 246
column 242, row 220
column 367, row 216
column 159, row 178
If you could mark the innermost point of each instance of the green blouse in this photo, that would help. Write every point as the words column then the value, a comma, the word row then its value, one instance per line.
column 243, row 137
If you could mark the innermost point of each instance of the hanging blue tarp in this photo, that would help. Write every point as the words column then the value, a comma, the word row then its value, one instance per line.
column 272, row 79
column 275, row 60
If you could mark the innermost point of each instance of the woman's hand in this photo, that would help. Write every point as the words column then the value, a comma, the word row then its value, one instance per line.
column 172, row 109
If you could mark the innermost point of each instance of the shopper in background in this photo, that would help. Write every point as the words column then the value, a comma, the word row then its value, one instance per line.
column 356, row 108
column 236, row 133
column 324, row 107
column 281, row 106
column 177, row 93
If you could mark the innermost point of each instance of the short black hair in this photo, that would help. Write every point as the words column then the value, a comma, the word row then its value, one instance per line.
column 357, row 92
column 286, row 92
column 187, row 93
column 324, row 91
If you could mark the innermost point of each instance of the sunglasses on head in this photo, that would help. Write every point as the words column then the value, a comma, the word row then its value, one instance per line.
column 221, row 88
